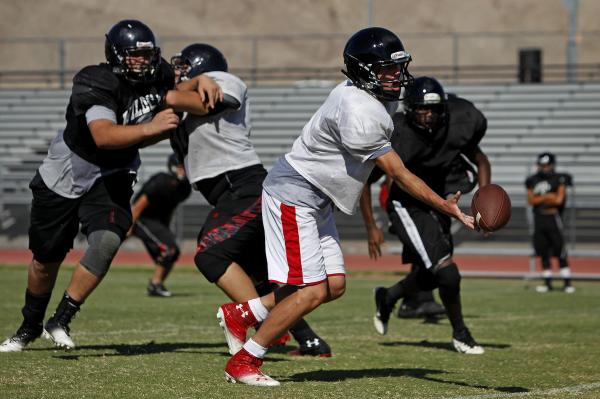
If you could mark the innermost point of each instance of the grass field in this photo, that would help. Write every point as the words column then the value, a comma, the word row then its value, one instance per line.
column 133, row 346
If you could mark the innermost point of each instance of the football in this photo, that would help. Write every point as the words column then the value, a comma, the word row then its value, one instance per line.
column 491, row 207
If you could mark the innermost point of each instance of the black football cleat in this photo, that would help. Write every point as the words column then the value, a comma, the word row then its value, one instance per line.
column 382, row 310
column 316, row 347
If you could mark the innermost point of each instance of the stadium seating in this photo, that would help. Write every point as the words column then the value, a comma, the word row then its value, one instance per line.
column 523, row 121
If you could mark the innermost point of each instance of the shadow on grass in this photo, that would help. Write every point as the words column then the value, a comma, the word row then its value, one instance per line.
column 149, row 348
column 439, row 345
column 421, row 374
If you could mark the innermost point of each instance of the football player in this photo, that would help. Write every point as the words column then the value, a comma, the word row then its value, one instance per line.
column 87, row 176
column 430, row 136
column 222, row 164
column 328, row 165
column 152, row 210
column 547, row 193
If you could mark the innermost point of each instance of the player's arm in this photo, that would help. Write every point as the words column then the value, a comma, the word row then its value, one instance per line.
column 375, row 234
column 393, row 166
column 137, row 208
column 484, row 169
column 209, row 91
column 107, row 134
column 544, row 199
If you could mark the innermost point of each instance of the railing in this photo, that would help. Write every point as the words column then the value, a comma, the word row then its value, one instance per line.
column 455, row 57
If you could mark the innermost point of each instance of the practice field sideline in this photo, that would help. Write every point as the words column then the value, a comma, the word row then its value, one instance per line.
column 134, row 346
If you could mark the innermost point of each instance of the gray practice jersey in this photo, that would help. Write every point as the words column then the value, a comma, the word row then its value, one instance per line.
column 220, row 143
column 338, row 146
column 71, row 176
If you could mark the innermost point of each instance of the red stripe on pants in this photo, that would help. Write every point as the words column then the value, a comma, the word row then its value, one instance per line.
column 292, row 244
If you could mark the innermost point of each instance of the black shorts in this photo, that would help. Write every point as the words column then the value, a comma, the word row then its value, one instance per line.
column 158, row 239
column 424, row 232
column 548, row 239
column 55, row 219
column 233, row 232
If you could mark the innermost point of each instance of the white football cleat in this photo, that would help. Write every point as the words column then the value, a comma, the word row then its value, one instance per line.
column 59, row 335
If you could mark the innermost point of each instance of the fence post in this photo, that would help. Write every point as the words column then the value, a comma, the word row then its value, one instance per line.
column 61, row 62
column 254, row 60
column 455, row 44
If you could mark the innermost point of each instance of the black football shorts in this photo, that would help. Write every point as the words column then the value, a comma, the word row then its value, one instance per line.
column 54, row 220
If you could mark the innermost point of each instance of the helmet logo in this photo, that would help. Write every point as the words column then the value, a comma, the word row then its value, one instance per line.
column 399, row 55
column 144, row 45
column 432, row 98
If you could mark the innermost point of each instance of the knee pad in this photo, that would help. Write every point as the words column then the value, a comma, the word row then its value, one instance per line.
column 102, row 248
column 448, row 279
column 169, row 257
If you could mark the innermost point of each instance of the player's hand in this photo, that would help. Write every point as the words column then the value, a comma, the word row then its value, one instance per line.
column 454, row 210
column 164, row 121
column 376, row 238
column 210, row 92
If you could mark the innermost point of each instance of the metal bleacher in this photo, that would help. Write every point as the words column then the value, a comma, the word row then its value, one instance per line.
column 523, row 120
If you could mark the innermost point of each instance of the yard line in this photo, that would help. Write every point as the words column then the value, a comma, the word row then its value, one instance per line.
column 546, row 392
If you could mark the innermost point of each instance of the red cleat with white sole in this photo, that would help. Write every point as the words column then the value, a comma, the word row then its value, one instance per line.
column 235, row 319
column 243, row 367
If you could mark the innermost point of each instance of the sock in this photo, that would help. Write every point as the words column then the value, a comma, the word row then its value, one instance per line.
column 66, row 309
column 302, row 332
column 255, row 349
column 547, row 274
column 258, row 309
column 565, row 273
column 35, row 308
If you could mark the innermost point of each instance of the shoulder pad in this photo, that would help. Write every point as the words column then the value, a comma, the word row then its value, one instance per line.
column 97, row 76
column 94, row 85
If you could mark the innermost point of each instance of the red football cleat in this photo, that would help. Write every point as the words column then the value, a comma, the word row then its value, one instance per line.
column 243, row 367
column 235, row 319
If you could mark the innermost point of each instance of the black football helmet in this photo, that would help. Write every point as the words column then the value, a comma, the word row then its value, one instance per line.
column 371, row 52
column 426, row 94
column 198, row 58
column 546, row 158
column 132, row 38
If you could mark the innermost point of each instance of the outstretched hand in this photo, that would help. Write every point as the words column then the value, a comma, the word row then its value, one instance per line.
column 454, row 210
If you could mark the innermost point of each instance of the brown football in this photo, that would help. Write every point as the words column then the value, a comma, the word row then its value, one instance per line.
column 491, row 207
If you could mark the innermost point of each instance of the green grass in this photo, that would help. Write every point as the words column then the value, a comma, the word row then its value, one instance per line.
column 133, row 346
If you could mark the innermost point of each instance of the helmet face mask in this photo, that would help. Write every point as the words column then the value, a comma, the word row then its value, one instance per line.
column 131, row 51
column 377, row 63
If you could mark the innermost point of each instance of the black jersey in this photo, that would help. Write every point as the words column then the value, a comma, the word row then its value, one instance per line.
column 431, row 157
column 543, row 183
column 132, row 105
column 164, row 192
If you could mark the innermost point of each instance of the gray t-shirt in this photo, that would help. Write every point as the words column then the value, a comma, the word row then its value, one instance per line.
column 338, row 146
column 220, row 143
column 69, row 175
column 288, row 186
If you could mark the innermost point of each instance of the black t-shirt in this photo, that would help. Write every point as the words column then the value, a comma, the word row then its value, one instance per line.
column 430, row 156
column 132, row 105
column 543, row 183
column 164, row 192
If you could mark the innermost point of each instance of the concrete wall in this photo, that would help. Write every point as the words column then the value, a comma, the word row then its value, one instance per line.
column 204, row 19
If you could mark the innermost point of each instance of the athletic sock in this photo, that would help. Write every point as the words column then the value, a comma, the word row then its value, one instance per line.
column 35, row 308
column 547, row 274
column 258, row 309
column 302, row 332
column 565, row 273
column 255, row 349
